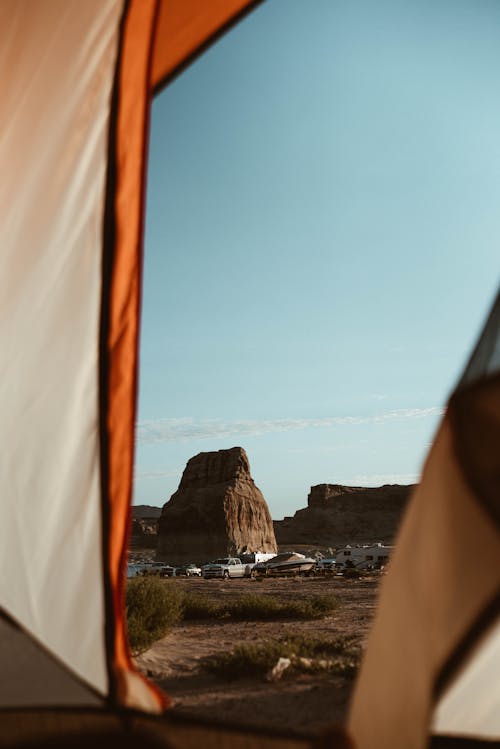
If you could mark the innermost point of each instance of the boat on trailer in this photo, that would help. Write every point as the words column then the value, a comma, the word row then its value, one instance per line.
column 288, row 562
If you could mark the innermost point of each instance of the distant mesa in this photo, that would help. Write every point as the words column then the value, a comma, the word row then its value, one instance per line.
column 337, row 515
column 147, row 512
column 216, row 511
column 144, row 526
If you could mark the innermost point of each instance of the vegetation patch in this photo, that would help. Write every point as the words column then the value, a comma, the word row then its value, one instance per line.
column 307, row 653
column 254, row 607
column 197, row 606
column 261, row 608
column 152, row 608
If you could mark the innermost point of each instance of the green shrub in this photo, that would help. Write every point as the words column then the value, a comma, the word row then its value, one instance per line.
column 261, row 607
column 255, row 607
column 152, row 607
column 306, row 652
column 317, row 646
column 322, row 605
column 245, row 660
column 252, row 607
column 198, row 606
column 352, row 574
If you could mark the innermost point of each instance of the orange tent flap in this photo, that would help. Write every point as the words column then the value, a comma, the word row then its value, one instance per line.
column 184, row 27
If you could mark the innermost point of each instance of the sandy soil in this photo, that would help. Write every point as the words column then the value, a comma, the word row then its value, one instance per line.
column 306, row 703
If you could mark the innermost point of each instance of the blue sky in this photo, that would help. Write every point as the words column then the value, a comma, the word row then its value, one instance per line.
column 322, row 239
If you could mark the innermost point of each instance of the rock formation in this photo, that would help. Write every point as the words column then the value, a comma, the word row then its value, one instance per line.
column 146, row 512
column 337, row 515
column 216, row 511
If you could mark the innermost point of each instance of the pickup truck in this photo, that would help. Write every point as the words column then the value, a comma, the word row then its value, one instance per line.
column 225, row 568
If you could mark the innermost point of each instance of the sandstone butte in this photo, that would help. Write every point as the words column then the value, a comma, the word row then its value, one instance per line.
column 337, row 515
column 217, row 511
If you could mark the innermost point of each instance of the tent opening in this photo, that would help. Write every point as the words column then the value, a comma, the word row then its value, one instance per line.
column 316, row 183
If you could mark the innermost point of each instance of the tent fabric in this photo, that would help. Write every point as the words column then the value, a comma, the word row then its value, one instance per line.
column 429, row 601
column 57, row 64
column 76, row 92
column 475, row 415
column 83, row 728
column 76, row 81
column 485, row 359
column 184, row 27
column 467, row 708
column 461, row 742
column 33, row 677
column 119, row 332
column 442, row 594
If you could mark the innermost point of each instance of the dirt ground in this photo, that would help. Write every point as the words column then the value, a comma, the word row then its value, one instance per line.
column 304, row 703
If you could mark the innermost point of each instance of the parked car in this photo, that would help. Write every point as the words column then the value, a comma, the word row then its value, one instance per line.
column 160, row 569
column 188, row 570
column 326, row 565
column 225, row 568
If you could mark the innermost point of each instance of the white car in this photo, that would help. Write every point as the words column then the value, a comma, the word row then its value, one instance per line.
column 225, row 568
column 189, row 570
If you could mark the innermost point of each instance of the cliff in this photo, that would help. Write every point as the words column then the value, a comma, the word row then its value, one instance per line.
column 216, row 511
column 336, row 515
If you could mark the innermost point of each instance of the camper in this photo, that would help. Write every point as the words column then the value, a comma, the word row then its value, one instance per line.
column 374, row 555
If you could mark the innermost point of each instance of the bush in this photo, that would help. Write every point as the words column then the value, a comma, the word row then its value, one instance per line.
column 352, row 574
column 152, row 607
column 254, row 607
column 306, row 652
column 322, row 605
column 264, row 607
column 245, row 660
column 197, row 606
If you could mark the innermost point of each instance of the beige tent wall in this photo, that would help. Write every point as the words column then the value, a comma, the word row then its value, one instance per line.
column 433, row 595
column 471, row 706
column 57, row 62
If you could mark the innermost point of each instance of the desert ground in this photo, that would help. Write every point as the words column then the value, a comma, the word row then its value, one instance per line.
column 304, row 703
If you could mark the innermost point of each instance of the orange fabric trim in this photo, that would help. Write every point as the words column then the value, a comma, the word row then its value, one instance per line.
column 186, row 25
column 131, row 139
column 175, row 29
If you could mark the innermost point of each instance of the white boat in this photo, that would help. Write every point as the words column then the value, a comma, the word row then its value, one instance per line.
column 288, row 562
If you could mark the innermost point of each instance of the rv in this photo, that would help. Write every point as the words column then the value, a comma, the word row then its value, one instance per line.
column 374, row 555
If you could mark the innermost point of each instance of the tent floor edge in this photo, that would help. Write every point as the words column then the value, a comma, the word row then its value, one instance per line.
column 57, row 728
column 462, row 742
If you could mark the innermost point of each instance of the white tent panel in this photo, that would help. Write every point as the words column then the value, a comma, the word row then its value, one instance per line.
column 471, row 706
column 57, row 61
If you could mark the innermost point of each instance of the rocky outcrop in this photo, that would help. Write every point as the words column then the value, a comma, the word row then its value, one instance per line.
column 216, row 511
column 144, row 526
column 147, row 512
column 337, row 515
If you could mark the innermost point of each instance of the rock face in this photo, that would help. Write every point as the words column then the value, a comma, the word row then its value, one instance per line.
column 147, row 512
column 337, row 515
column 216, row 511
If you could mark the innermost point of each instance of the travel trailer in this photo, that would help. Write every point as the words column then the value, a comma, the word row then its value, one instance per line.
column 376, row 555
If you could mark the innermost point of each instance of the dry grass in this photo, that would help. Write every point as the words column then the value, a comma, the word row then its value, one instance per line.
column 307, row 653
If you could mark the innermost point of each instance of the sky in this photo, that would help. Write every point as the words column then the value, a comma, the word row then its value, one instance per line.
column 322, row 242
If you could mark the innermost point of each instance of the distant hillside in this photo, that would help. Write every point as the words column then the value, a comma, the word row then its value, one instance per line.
column 144, row 529
column 145, row 511
column 337, row 515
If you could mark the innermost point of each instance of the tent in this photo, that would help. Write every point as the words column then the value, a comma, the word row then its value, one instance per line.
column 76, row 84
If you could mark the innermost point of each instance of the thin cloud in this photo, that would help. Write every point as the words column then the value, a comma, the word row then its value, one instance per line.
column 186, row 429
column 156, row 474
